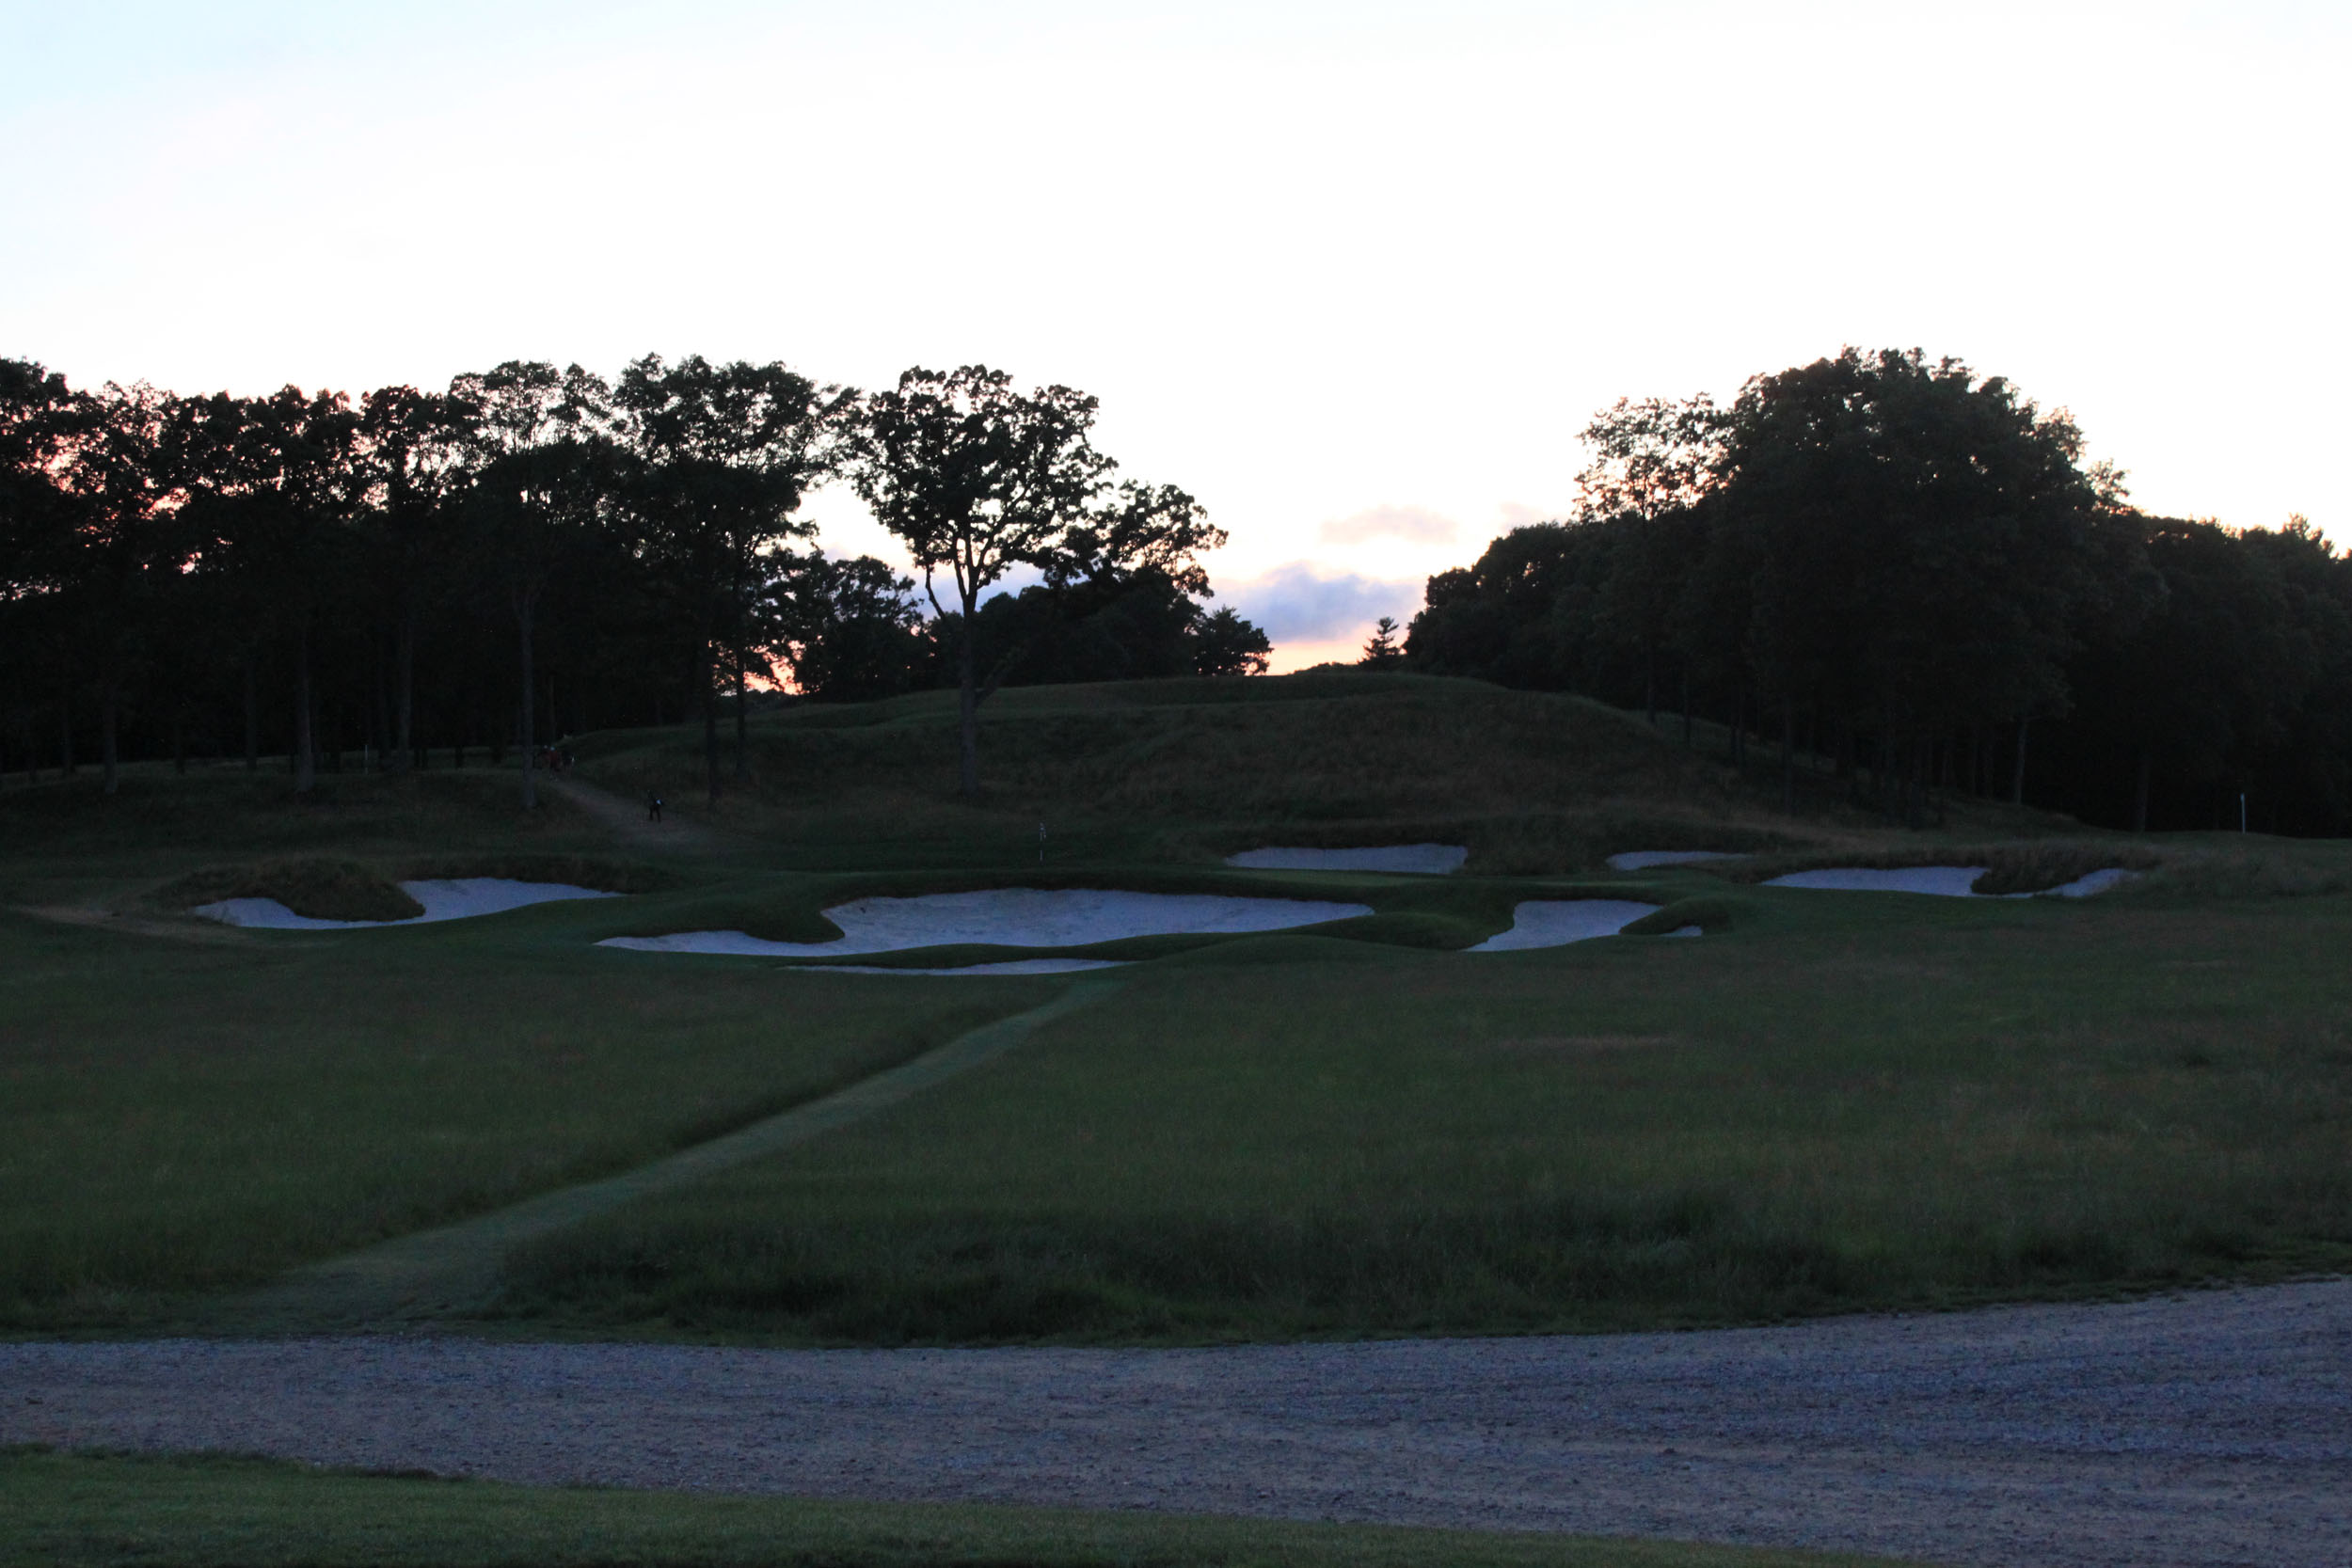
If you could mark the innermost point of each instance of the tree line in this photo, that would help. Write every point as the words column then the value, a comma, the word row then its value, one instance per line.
column 536, row 551
column 1907, row 574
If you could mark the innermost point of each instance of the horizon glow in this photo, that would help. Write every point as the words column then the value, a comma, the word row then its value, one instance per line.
column 1354, row 276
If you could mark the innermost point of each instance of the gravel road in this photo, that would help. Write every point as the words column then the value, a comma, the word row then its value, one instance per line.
column 2210, row 1428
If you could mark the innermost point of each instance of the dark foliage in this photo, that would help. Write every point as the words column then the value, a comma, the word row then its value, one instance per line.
column 1897, row 565
column 424, row 578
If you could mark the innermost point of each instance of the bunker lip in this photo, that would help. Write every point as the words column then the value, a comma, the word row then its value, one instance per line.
column 444, row 898
column 1557, row 921
column 1016, row 917
column 1420, row 860
column 1642, row 860
column 1016, row 966
column 1943, row 882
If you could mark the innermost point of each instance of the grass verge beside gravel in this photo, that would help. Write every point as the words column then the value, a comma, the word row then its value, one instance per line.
column 111, row 1511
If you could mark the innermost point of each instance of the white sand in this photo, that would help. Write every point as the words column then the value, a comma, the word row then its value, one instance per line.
column 1642, row 860
column 1427, row 860
column 1014, row 917
column 1557, row 921
column 1948, row 882
column 456, row 899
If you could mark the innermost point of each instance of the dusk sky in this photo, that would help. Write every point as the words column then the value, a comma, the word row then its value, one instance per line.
column 1355, row 274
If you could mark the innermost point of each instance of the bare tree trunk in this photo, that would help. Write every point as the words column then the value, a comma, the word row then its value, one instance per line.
column 742, row 720
column 2017, row 773
column 967, row 708
column 2140, row 792
column 109, row 745
column 306, row 759
column 710, row 716
column 526, row 606
column 1649, row 684
column 404, row 690
column 252, row 718
column 1788, row 755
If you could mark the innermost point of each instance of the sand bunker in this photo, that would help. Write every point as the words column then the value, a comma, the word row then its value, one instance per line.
column 1018, row 966
column 1557, row 921
column 457, row 898
column 1014, row 917
column 1642, row 860
column 1947, row 881
column 1427, row 860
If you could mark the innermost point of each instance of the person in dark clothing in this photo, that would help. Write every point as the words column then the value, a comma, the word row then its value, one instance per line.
column 653, row 808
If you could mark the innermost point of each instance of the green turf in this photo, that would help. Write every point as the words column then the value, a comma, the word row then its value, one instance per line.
column 178, row 1115
column 1840, row 1103
column 117, row 1512
column 1830, row 1101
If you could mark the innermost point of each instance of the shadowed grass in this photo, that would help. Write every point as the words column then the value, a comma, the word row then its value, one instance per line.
column 177, row 1118
column 1192, row 771
column 313, row 888
column 1821, row 1110
column 113, row 1511
column 1846, row 1101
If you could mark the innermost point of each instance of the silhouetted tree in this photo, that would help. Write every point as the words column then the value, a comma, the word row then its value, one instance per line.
column 851, row 630
column 721, row 456
column 976, row 478
column 279, row 493
column 413, row 446
column 538, row 482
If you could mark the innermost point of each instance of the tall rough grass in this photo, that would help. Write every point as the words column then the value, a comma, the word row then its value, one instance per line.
column 314, row 887
column 1816, row 1111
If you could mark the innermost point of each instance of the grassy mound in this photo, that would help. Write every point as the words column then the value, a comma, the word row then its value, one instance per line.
column 1194, row 770
column 314, row 888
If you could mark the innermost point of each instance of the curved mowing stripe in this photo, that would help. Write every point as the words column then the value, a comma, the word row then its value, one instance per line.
column 455, row 1268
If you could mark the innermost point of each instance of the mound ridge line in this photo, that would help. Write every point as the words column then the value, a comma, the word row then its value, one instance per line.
column 453, row 1269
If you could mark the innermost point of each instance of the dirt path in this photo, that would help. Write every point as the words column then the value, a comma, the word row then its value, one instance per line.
column 2206, row 1429
column 454, row 1269
column 627, row 821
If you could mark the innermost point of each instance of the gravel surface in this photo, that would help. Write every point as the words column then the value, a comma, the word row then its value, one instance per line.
column 2210, row 1428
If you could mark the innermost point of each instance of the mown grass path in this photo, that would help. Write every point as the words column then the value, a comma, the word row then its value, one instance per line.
column 2204, row 1428
column 453, row 1270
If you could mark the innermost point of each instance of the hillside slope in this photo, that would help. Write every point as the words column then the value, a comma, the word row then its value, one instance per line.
column 1193, row 770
